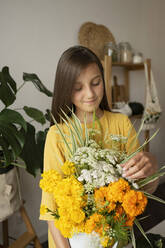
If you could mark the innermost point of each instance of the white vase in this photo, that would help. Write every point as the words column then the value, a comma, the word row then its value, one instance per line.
column 83, row 240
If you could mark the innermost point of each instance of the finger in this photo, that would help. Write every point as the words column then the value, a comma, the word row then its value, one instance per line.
column 139, row 174
column 131, row 162
column 145, row 171
column 135, row 168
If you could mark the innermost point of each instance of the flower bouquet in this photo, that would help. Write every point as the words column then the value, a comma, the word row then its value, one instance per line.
column 91, row 194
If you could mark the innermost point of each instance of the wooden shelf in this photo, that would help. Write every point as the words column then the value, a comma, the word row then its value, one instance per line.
column 136, row 116
column 129, row 66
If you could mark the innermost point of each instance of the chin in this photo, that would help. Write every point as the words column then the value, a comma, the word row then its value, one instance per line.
column 90, row 110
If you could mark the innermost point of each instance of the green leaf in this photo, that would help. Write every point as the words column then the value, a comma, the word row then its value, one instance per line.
column 72, row 136
column 140, row 148
column 77, row 132
column 133, row 238
column 9, row 79
column 8, row 88
column 151, row 178
column 35, row 114
column 86, row 132
column 13, row 117
column 12, row 133
column 31, row 77
column 32, row 152
column 40, row 141
column 14, row 140
column 48, row 115
column 63, row 136
column 142, row 231
column 6, row 153
column 153, row 197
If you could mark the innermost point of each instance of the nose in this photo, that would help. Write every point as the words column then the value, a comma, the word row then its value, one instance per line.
column 89, row 92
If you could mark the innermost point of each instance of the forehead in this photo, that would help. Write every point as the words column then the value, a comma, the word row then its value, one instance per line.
column 91, row 71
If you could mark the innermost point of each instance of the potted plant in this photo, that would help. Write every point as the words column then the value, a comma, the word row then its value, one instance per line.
column 19, row 140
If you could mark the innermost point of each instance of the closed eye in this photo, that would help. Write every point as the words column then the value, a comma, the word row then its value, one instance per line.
column 77, row 88
column 96, row 83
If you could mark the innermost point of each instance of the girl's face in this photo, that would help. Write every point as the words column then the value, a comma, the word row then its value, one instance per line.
column 88, row 91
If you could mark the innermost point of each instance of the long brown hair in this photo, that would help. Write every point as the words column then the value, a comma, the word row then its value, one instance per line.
column 70, row 65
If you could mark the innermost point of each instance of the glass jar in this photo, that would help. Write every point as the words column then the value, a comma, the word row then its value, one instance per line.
column 125, row 51
column 110, row 49
column 137, row 57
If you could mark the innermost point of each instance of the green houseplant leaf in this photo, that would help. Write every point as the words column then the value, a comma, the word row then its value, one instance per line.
column 12, row 134
column 35, row 114
column 8, row 87
column 40, row 142
column 18, row 138
column 32, row 152
column 12, row 116
column 37, row 82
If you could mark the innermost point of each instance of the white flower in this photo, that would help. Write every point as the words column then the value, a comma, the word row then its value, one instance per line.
column 120, row 169
column 98, row 167
column 105, row 168
column 111, row 159
column 111, row 179
column 94, row 174
column 86, row 175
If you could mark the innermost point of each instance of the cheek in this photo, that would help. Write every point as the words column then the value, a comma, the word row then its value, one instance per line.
column 100, row 91
column 75, row 97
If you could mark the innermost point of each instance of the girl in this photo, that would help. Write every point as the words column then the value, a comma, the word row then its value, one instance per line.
column 79, row 85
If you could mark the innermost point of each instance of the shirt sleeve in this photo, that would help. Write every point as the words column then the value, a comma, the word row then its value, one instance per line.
column 53, row 159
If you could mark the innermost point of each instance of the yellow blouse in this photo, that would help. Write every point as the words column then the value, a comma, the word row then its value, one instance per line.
column 55, row 151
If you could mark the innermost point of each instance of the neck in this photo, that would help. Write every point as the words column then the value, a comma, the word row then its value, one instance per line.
column 89, row 115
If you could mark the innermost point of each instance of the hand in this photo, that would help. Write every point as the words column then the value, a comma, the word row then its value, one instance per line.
column 142, row 165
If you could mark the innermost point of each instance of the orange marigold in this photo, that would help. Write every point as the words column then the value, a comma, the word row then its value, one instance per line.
column 130, row 220
column 134, row 203
column 117, row 190
column 111, row 206
column 118, row 212
column 100, row 196
column 93, row 223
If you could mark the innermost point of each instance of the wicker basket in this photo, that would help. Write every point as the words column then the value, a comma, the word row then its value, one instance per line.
column 95, row 37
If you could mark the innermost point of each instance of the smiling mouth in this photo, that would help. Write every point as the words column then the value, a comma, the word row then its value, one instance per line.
column 90, row 101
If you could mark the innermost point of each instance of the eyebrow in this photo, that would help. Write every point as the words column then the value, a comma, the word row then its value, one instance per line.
column 97, row 76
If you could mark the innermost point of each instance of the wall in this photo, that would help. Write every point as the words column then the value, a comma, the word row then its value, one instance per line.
column 33, row 35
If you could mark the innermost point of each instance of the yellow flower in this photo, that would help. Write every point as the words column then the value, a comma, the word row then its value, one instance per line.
column 68, row 168
column 104, row 241
column 134, row 203
column 68, row 193
column 117, row 190
column 43, row 210
column 68, row 227
column 50, row 180
column 64, row 226
column 68, row 196
column 78, row 216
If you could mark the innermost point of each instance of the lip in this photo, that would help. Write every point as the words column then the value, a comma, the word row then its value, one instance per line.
column 90, row 101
